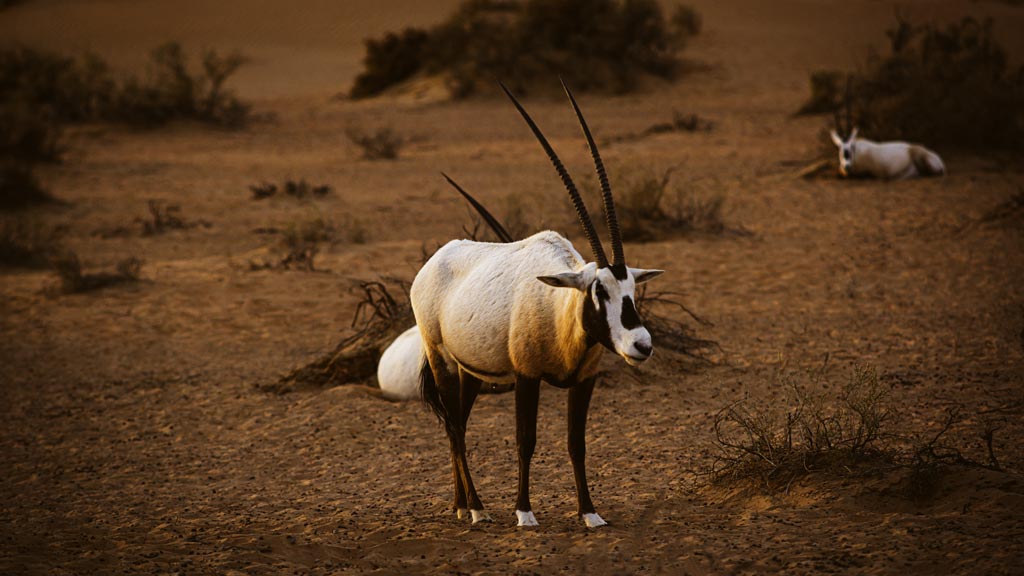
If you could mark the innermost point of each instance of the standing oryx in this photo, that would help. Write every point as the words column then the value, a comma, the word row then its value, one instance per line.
column 524, row 312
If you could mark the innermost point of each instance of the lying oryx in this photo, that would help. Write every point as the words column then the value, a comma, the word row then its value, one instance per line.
column 398, row 371
column 888, row 160
column 524, row 312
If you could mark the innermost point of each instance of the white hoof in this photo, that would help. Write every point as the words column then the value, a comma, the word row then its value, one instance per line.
column 526, row 518
column 480, row 516
column 592, row 520
column 461, row 513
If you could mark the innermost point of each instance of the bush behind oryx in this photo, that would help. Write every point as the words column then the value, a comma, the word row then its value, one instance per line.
column 603, row 45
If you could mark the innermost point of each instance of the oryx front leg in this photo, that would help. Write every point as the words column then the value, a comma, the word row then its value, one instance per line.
column 579, row 405
column 527, row 398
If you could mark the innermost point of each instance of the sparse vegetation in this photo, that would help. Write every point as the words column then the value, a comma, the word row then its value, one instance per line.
column 680, row 123
column 831, row 428
column 86, row 90
column 300, row 242
column 19, row 187
column 74, row 281
column 28, row 137
column 27, row 244
column 380, row 144
column 593, row 44
column 650, row 209
column 378, row 319
column 944, row 86
column 164, row 217
column 1007, row 213
column 294, row 188
column 671, row 333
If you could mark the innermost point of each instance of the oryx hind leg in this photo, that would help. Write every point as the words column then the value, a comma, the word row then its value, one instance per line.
column 469, row 387
column 442, row 393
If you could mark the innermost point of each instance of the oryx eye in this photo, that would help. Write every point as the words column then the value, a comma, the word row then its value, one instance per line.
column 599, row 289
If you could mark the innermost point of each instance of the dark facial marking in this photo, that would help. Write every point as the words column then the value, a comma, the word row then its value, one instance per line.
column 846, row 153
column 630, row 319
column 595, row 322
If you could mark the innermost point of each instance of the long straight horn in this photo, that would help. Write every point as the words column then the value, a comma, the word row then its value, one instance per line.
column 577, row 201
column 618, row 259
column 499, row 230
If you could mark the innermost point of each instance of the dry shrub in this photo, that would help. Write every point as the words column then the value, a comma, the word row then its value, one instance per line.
column 19, row 187
column 1009, row 213
column 380, row 144
column 74, row 281
column 26, row 244
column 819, row 428
column 658, row 309
column 649, row 209
column 295, row 188
column 680, row 123
column 164, row 217
column 29, row 136
column 384, row 312
column 847, row 428
column 85, row 89
column 593, row 44
column 300, row 242
column 945, row 86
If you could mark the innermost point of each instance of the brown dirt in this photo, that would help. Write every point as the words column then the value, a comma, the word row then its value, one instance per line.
column 133, row 437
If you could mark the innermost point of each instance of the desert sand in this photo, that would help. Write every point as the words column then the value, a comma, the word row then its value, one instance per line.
column 134, row 437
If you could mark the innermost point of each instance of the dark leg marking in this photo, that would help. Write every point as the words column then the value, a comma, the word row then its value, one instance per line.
column 579, row 404
column 527, row 397
column 469, row 387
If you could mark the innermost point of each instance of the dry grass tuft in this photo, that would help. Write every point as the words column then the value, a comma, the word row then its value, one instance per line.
column 300, row 242
column 669, row 333
column 74, row 281
column 650, row 209
column 851, row 428
column 295, row 188
column 680, row 123
column 26, row 244
column 380, row 144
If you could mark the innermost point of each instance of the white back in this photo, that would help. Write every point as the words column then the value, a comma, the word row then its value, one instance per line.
column 483, row 307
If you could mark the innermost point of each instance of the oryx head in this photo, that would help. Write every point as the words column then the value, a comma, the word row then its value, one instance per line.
column 848, row 145
column 609, row 315
column 847, row 150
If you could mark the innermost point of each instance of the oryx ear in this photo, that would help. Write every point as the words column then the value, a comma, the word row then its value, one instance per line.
column 853, row 134
column 565, row 280
column 641, row 275
column 835, row 137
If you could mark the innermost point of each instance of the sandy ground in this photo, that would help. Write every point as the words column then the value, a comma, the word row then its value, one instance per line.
column 133, row 438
